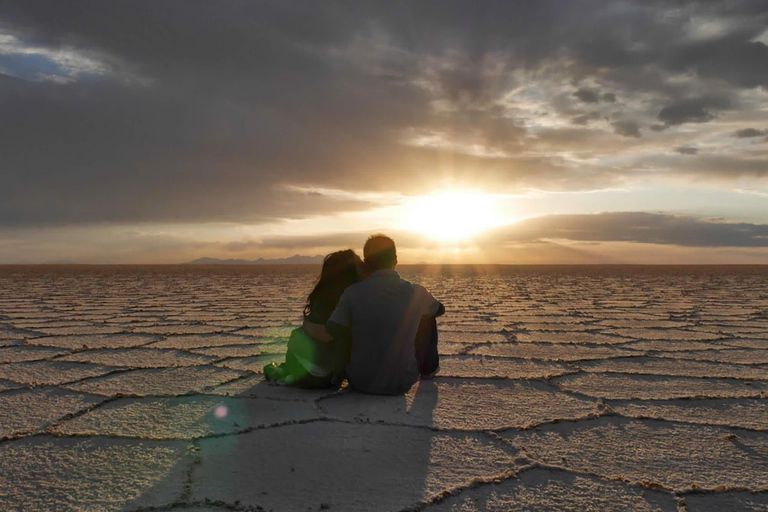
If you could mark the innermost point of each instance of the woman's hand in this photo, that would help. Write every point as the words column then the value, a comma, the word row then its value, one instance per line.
column 317, row 331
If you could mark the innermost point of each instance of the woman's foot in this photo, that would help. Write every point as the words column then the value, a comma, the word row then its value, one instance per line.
column 273, row 372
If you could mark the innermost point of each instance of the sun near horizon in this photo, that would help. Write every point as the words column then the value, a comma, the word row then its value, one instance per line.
column 450, row 216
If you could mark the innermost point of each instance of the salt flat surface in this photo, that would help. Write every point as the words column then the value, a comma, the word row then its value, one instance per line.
column 250, row 364
column 676, row 346
column 675, row 456
column 749, row 343
column 475, row 405
column 181, row 329
column 47, row 473
column 254, row 386
column 166, row 381
column 230, row 351
column 489, row 368
column 621, row 386
column 681, row 367
column 79, row 329
column 451, row 348
column 94, row 341
column 138, row 358
column 570, row 337
column 37, row 373
column 727, row 356
column 551, row 352
column 21, row 354
column 585, row 388
column 6, row 385
column 541, row 490
column 366, row 467
column 185, row 417
column 474, row 337
column 750, row 413
column 7, row 332
column 198, row 341
column 743, row 501
column 27, row 411
column 666, row 334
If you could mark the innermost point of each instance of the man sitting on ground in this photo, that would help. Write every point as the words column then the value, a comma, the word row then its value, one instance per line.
column 391, row 323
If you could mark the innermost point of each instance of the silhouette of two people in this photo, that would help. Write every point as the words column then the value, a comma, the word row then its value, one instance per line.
column 365, row 323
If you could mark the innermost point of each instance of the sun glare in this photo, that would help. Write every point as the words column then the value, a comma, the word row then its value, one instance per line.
column 451, row 216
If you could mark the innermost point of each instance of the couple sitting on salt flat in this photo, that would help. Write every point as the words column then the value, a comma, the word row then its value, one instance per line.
column 365, row 323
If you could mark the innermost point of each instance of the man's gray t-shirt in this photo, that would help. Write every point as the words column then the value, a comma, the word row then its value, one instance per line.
column 383, row 313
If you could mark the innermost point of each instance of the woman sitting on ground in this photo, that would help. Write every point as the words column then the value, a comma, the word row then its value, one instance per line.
column 312, row 361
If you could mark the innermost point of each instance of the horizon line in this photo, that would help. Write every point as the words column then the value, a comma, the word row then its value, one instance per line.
column 398, row 265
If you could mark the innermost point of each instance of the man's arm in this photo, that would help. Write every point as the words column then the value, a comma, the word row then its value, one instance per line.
column 433, row 307
column 337, row 331
column 339, row 324
column 342, row 338
column 340, row 321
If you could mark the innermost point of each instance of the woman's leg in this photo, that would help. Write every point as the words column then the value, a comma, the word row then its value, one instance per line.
column 288, row 371
column 300, row 377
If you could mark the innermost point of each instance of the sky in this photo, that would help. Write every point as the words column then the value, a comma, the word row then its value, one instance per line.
column 554, row 131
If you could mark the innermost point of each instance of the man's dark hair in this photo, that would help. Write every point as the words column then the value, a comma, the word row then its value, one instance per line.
column 379, row 252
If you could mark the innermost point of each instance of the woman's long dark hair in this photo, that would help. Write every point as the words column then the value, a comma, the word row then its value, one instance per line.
column 340, row 269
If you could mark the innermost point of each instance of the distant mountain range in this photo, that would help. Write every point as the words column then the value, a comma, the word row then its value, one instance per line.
column 293, row 260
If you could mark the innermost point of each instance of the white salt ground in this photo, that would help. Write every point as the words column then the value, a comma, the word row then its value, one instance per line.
column 582, row 390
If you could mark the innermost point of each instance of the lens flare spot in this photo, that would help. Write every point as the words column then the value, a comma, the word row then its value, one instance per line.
column 221, row 411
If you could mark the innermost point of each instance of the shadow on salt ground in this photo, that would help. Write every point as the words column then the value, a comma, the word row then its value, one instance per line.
column 346, row 466
column 312, row 463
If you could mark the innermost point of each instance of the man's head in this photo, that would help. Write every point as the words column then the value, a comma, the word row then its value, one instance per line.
column 380, row 253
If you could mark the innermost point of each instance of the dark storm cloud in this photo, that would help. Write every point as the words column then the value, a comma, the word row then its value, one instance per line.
column 627, row 128
column 732, row 54
column 587, row 95
column 204, row 111
column 584, row 119
column 115, row 153
column 639, row 227
column 750, row 132
column 593, row 96
column 685, row 112
column 733, row 58
column 685, row 150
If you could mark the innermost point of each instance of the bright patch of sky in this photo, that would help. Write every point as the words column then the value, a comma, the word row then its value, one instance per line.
column 734, row 205
column 174, row 243
column 30, row 62
column 700, row 28
column 762, row 38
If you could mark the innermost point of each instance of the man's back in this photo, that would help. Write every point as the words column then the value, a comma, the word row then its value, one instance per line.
column 383, row 314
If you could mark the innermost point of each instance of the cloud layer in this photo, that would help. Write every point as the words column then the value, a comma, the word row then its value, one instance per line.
column 626, row 227
column 611, row 237
column 191, row 111
column 636, row 227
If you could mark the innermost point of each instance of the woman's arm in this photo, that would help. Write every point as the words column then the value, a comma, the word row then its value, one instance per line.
column 317, row 331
